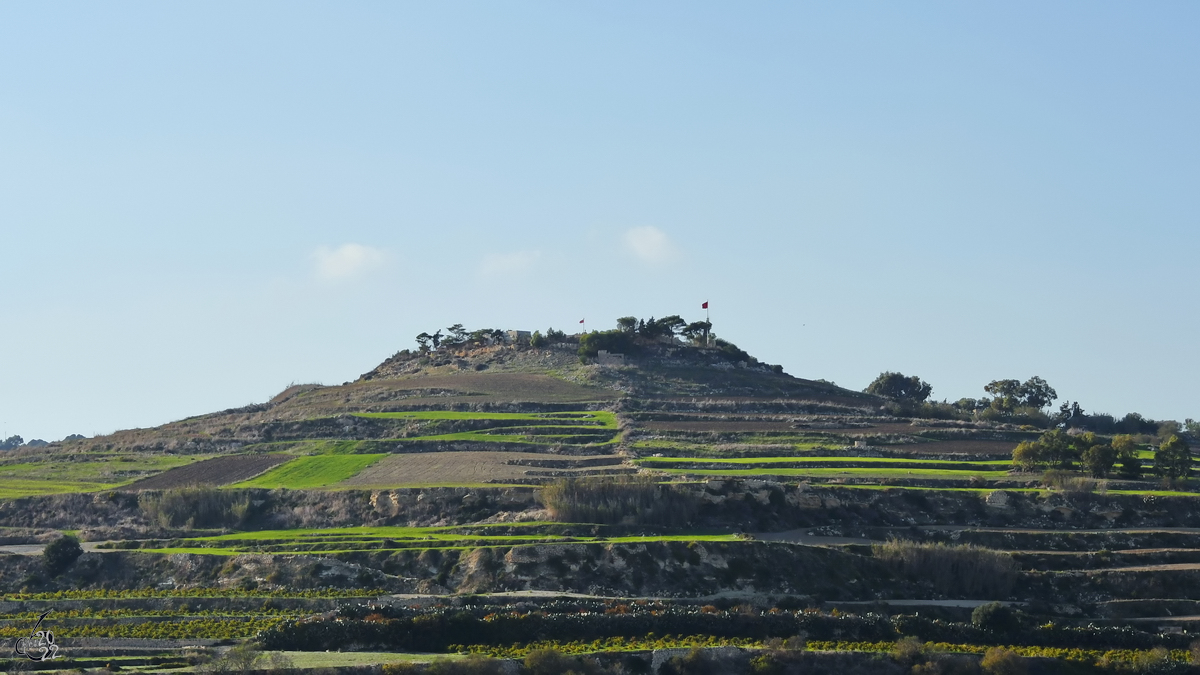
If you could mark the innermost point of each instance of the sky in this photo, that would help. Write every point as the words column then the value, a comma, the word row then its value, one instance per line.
column 202, row 203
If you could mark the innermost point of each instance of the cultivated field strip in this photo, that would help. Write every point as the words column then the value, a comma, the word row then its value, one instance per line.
column 211, row 472
column 467, row 468
column 347, row 539
column 316, row 471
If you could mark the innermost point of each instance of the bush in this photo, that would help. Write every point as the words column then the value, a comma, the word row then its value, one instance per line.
column 909, row 651
column 193, row 507
column 1001, row 661
column 1066, row 482
column 613, row 341
column 554, row 662
column 246, row 658
column 1154, row 661
column 613, row 500
column 61, row 554
column 696, row 662
column 995, row 617
column 961, row 570
column 475, row 664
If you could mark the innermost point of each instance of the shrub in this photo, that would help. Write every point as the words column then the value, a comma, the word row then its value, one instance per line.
column 963, row 570
column 696, row 662
column 622, row 499
column 909, row 650
column 246, row 658
column 1001, row 661
column 995, row 617
column 554, row 662
column 1154, row 661
column 1066, row 482
column 615, row 341
column 475, row 664
column 61, row 554
column 192, row 507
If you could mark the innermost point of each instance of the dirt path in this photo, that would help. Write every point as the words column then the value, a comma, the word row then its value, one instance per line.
column 801, row 537
column 1022, row 530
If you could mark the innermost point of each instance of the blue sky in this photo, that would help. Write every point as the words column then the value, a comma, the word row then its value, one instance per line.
column 202, row 203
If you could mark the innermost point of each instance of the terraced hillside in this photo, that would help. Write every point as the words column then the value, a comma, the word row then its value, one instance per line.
column 679, row 493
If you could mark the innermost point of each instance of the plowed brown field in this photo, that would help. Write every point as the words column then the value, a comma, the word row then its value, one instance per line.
column 215, row 471
column 956, row 448
column 435, row 468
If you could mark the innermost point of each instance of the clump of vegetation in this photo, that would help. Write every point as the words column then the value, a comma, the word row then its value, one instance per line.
column 1065, row 482
column 996, row 617
column 245, row 658
column 193, row 507
column 899, row 387
column 1002, row 661
column 1173, row 459
column 960, row 570
column 618, row 500
column 61, row 554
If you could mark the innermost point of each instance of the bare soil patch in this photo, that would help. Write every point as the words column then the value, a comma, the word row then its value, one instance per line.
column 440, row 391
column 728, row 426
column 783, row 425
column 429, row 468
column 215, row 471
column 955, row 448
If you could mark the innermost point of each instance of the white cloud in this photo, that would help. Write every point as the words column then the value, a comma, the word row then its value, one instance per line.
column 499, row 264
column 650, row 244
column 346, row 261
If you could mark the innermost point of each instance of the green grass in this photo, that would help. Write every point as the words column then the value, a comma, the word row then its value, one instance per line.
column 843, row 471
column 310, row 660
column 1150, row 493
column 591, row 419
column 312, row 472
column 915, row 463
column 55, row 475
column 329, row 541
column 12, row 489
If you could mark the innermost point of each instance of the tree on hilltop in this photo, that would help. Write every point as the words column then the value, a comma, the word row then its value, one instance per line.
column 458, row 334
column 899, row 387
column 1012, row 394
column 697, row 331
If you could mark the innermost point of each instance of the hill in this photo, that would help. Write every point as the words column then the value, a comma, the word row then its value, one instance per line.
column 680, row 489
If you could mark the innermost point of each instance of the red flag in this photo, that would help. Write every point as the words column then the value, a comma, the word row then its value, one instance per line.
column 581, row 321
column 705, row 305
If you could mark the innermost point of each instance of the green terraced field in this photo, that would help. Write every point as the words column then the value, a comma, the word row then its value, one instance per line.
column 314, row 471
column 856, row 472
column 712, row 450
column 350, row 539
column 594, row 418
column 11, row 489
column 967, row 465
column 95, row 472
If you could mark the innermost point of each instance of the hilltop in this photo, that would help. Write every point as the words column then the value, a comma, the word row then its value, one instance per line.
column 504, row 376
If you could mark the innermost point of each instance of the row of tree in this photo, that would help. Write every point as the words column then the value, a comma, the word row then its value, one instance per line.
column 631, row 333
column 667, row 327
column 457, row 336
column 14, row 442
column 1020, row 402
column 1098, row 455
column 1008, row 395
